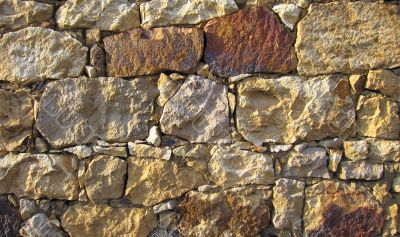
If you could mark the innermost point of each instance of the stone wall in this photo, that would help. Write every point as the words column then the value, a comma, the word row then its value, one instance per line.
column 201, row 118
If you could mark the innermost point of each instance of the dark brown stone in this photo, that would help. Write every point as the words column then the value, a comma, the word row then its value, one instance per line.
column 251, row 40
column 10, row 219
column 98, row 60
column 147, row 52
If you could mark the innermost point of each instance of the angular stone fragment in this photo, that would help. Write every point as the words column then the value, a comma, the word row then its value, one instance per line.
column 152, row 181
column 237, row 213
column 288, row 203
column 83, row 110
column 166, row 12
column 147, row 151
column 105, row 178
column 335, row 156
column 147, row 52
column 167, row 87
column 378, row 117
column 36, row 54
column 111, row 151
column 289, row 14
column 356, row 150
column 39, row 175
column 348, row 37
column 230, row 167
column 10, row 219
column 291, row 108
column 358, row 211
column 384, row 150
column 111, row 15
column 81, row 152
column 98, row 60
column 391, row 220
column 360, row 170
column 233, row 40
column 40, row 226
column 198, row 112
column 16, row 119
column 385, row 82
column 105, row 221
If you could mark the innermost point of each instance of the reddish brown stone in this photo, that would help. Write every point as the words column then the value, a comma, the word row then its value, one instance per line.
column 9, row 219
column 147, row 52
column 251, row 40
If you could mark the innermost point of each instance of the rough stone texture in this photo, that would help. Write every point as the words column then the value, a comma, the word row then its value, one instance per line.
column 40, row 226
column 291, row 108
column 111, row 15
column 39, row 175
column 384, row 81
column 147, row 151
column 231, row 213
column 17, row 14
column 232, row 41
column 105, row 178
column 167, row 87
column 166, row 12
column 98, row 60
column 360, row 214
column 335, row 156
column 378, row 117
column 231, row 167
column 147, row 52
column 35, row 54
column 10, row 219
column 356, row 150
column 16, row 119
column 288, row 203
column 82, row 110
column 105, row 221
column 198, row 112
column 384, row 150
column 289, row 14
column 152, row 181
column 364, row 170
column 348, row 37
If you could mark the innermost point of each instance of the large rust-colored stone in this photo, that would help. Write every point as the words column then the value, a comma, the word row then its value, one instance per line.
column 9, row 219
column 251, row 40
column 147, row 52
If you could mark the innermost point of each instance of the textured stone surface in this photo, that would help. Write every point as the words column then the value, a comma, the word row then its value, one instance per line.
column 360, row 214
column 39, row 175
column 147, row 52
column 360, row 170
column 111, row 15
column 384, row 81
column 105, row 221
column 166, row 12
column 167, row 87
column 348, row 37
column 10, row 219
column 198, row 112
column 232, row 41
column 384, row 150
column 147, row 151
column 82, row 110
column 105, row 178
column 378, row 117
column 290, row 108
column 289, row 14
column 356, row 150
column 288, row 204
column 98, row 60
column 230, row 167
column 35, row 54
column 17, row 14
column 152, row 181
column 231, row 213
column 16, row 119
column 40, row 226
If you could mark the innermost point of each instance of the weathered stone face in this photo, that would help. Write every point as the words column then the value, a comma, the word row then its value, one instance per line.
column 233, row 40
column 358, row 211
column 385, row 82
column 356, row 150
column 35, row 54
column 291, row 108
column 40, row 225
column 16, row 119
column 165, row 12
column 384, row 150
column 198, row 112
column 10, row 219
column 105, row 221
column 147, row 52
column 363, row 170
column 152, row 181
column 348, row 37
column 82, row 110
column 39, row 175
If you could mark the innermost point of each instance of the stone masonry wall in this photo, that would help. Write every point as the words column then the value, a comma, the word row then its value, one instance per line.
column 199, row 118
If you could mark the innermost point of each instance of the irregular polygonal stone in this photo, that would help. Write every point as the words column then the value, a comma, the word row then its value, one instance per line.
column 10, row 219
column 291, row 108
column 384, row 150
column 83, row 110
column 167, row 87
column 16, row 119
column 147, row 151
column 360, row 170
column 105, row 221
column 198, row 112
column 105, row 178
column 335, row 156
column 231, row 167
column 360, row 214
column 111, row 15
column 17, row 14
column 232, row 41
column 230, row 213
column 111, row 151
column 80, row 151
column 288, row 203
column 348, row 37
column 39, row 175
column 35, row 54
column 152, row 181
column 167, row 12
column 385, row 82
column 147, row 52
column 289, row 14
column 378, row 117
column 356, row 150
column 40, row 226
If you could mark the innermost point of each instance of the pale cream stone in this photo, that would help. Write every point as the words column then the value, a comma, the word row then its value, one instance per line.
column 362, row 169
column 154, row 137
column 81, row 151
column 40, row 225
column 167, row 87
column 147, row 151
column 384, row 150
column 335, row 157
column 356, row 150
column 384, row 81
column 391, row 220
column 111, row 151
column 289, row 14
